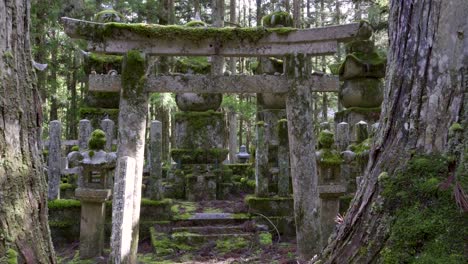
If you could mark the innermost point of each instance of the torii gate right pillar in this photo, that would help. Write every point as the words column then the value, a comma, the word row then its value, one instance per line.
column 302, row 154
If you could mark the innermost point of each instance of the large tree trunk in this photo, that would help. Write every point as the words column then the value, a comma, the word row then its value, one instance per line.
column 23, row 198
column 424, row 95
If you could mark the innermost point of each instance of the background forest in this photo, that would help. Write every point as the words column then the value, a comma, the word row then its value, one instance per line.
column 63, row 84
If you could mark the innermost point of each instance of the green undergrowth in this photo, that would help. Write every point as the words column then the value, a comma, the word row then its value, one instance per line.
column 428, row 227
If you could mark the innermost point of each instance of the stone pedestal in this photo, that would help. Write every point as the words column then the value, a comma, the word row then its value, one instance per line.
column 330, row 206
column 93, row 208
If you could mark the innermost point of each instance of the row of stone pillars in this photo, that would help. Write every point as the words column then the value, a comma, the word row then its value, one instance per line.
column 57, row 163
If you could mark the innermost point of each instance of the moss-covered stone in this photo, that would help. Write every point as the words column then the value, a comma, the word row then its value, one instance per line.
column 427, row 226
column 196, row 23
column 199, row 156
column 270, row 206
column 368, row 113
column 363, row 64
column 198, row 65
column 102, row 63
column 95, row 115
column 63, row 203
column 326, row 139
column 230, row 244
column 75, row 148
column 277, row 19
column 97, row 141
column 329, row 158
column 100, row 33
column 133, row 74
column 265, row 239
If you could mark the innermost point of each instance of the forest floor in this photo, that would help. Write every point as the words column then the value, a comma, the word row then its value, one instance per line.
column 279, row 253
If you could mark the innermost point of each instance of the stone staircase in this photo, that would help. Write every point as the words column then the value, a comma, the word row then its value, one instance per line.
column 207, row 233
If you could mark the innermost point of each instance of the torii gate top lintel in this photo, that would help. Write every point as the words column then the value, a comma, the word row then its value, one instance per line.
column 152, row 39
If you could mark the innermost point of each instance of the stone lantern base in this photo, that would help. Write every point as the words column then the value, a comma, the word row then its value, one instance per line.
column 93, row 208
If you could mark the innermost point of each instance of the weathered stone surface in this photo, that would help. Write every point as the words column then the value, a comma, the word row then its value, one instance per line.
column 201, row 187
column 54, row 159
column 354, row 67
column 354, row 115
column 122, row 210
column 273, row 100
column 284, row 175
column 261, row 163
column 325, row 126
column 362, row 131
column 232, row 122
column 132, row 127
column 303, row 162
column 187, row 83
column 363, row 92
column 198, row 102
column 342, row 137
column 93, row 209
column 307, row 41
column 84, row 132
column 108, row 127
column 333, row 190
column 154, row 188
column 199, row 130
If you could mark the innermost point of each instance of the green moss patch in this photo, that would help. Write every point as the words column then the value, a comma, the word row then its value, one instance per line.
column 183, row 210
column 156, row 203
column 133, row 74
column 427, row 226
column 329, row 158
column 97, row 141
column 199, row 65
column 63, row 203
column 66, row 186
column 102, row 63
column 230, row 244
column 196, row 23
column 326, row 139
column 101, row 32
column 270, row 206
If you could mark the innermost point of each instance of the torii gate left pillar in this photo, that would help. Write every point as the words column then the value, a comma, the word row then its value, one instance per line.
column 131, row 143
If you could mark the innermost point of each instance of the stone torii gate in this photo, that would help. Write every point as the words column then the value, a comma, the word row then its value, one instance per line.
column 134, row 85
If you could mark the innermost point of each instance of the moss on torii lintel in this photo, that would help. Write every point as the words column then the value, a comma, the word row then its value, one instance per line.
column 100, row 32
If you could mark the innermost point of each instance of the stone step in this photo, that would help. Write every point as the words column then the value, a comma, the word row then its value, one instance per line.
column 211, row 219
column 219, row 229
column 192, row 240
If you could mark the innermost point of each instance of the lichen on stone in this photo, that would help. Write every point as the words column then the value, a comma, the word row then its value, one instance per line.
column 133, row 74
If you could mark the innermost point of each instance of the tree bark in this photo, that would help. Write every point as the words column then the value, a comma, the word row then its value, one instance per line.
column 424, row 95
column 23, row 198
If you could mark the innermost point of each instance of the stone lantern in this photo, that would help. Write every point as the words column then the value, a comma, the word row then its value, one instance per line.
column 243, row 156
column 93, row 192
